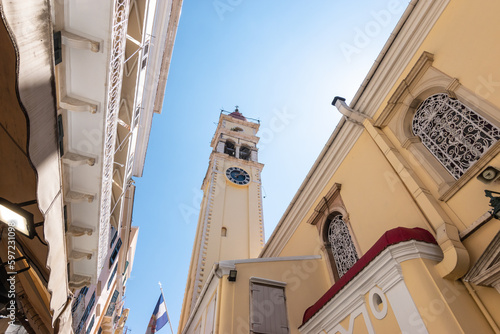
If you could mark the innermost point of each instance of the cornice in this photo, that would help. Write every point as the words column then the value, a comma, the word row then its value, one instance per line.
column 231, row 119
column 171, row 31
column 235, row 134
column 423, row 63
column 411, row 30
column 239, row 121
column 156, row 75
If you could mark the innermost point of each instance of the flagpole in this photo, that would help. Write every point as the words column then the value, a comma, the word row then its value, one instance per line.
column 166, row 309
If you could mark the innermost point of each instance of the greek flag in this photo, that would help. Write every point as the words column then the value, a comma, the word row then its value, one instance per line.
column 159, row 317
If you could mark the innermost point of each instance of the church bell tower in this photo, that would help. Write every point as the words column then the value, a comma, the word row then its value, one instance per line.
column 230, row 223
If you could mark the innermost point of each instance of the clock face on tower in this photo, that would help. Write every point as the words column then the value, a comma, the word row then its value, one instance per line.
column 237, row 175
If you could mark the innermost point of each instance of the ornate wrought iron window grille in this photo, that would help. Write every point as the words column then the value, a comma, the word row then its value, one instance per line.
column 342, row 246
column 455, row 134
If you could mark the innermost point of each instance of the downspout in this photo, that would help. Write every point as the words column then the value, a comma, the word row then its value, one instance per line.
column 456, row 259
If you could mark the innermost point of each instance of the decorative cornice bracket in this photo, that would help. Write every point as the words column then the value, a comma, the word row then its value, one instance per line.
column 74, row 104
column 75, row 41
column 77, row 197
column 78, row 231
column 79, row 281
column 75, row 159
column 77, row 255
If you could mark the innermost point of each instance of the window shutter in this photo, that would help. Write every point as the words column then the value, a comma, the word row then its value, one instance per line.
column 280, row 320
column 268, row 310
column 257, row 321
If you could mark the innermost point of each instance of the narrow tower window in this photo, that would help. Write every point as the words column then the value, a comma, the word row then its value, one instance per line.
column 245, row 153
column 229, row 148
column 455, row 134
column 341, row 245
column 223, row 231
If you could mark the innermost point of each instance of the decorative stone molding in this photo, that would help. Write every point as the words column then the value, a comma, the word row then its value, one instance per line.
column 260, row 280
column 75, row 41
column 486, row 271
column 452, row 87
column 416, row 73
column 323, row 206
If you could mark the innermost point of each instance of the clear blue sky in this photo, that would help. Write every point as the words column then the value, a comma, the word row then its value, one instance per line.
column 281, row 62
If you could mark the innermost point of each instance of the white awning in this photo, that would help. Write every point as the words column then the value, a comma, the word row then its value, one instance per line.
column 29, row 22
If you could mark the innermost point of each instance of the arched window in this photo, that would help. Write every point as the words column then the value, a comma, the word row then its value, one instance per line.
column 455, row 134
column 223, row 232
column 229, row 148
column 340, row 244
column 245, row 153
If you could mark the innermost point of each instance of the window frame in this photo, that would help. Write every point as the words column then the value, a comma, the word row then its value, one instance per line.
column 329, row 205
column 449, row 162
column 423, row 81
column 328, row 245
column 116, row 252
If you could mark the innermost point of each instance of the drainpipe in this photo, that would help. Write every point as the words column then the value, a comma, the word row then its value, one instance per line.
column 456, row 259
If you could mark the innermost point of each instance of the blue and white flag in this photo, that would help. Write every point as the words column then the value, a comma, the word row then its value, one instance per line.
column 159, row 317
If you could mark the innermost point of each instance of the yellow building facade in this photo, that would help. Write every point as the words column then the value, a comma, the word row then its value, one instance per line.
column 391, row 231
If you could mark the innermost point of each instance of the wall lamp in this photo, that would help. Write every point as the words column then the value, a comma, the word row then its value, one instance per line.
column 494, row 202
column 232, row 275
column 14, row 216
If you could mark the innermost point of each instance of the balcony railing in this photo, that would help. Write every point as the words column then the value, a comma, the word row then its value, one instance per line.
column 119, row 32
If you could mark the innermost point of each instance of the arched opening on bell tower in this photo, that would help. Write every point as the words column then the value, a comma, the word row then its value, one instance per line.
column 230, row 148
column 245, row 152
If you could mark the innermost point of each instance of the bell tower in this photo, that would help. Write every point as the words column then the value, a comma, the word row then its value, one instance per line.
column 230, row 223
